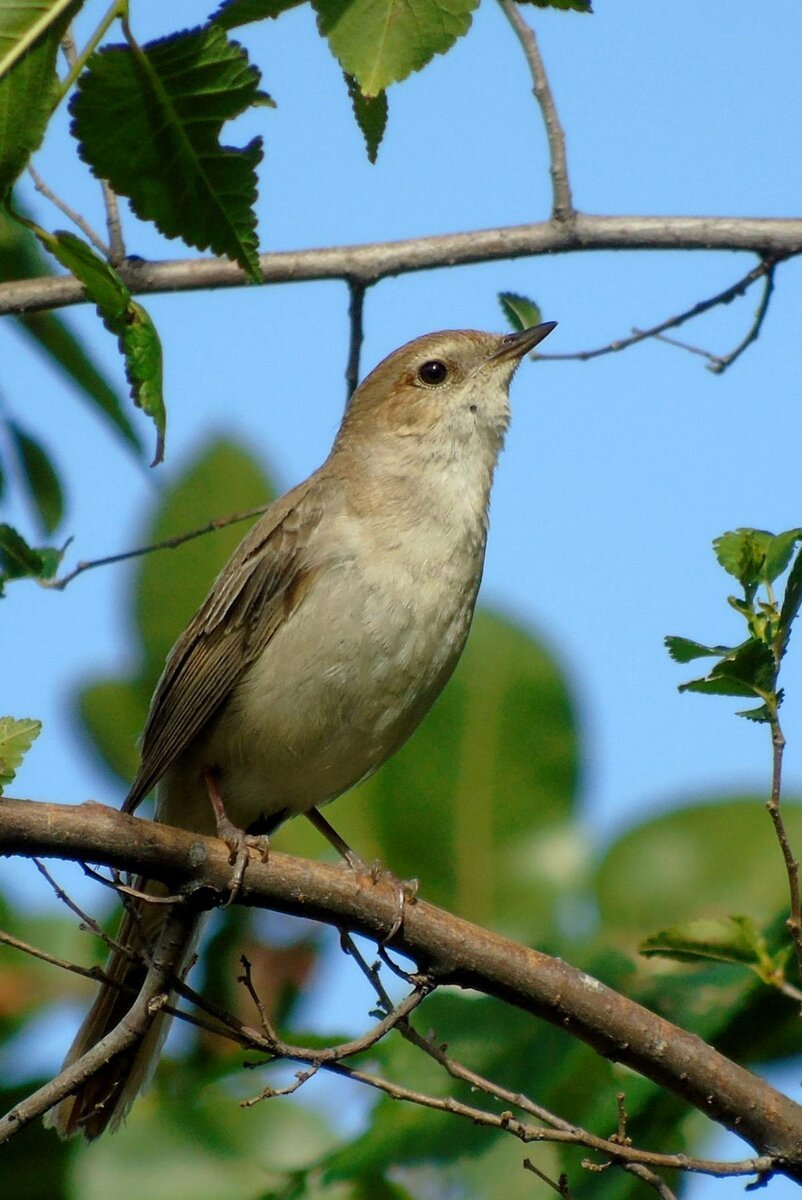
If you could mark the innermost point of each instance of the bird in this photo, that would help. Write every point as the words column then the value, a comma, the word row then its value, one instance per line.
column 321, row 645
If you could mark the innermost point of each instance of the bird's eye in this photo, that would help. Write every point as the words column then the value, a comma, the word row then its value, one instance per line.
column 433, row 372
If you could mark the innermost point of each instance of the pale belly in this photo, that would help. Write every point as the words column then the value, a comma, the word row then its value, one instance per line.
column 338, row 689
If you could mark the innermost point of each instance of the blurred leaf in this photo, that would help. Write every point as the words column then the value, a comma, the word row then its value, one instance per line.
column 742, row 553
column 41, row 481
column 371, row 115
column 16, row 738
column 29, row 86
column 167, row 588
column 18, row 560
column 733, row 940
column 708, row 860
column 35, row 1166
column 242, row 12
column 20, row 258
column 380, row 42
column 148, row 120
column 521, row 312
column 122, row 315
column 198, row 1142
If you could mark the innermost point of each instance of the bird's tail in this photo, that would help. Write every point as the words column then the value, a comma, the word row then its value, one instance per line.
column 102, row 1101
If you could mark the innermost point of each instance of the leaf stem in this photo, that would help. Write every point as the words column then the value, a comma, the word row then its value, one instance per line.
column 115, row 10
column 794, row 922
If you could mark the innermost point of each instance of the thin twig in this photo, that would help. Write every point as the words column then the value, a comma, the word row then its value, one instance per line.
column 562, row 205
column 95, row 973
column 720, row 365
column 169, row 544
column 68, row 212
column 653, row 1180
column 113, row 224
column 731, row 293
column 356, row 310
column 560, row 1186
column 794, row 922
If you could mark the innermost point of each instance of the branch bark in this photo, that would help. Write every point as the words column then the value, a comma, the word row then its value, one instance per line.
column 369, row 263
column 449, row 949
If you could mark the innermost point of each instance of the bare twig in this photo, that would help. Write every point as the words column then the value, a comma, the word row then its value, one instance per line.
column 113, row 224
column 766, row 236
column 68, row 212
column 729, row 294
column 653, row 1180
column 562, row 204
column 95, row 973
column 794, row 922
column 719, row 365
column 169, row 544
column 356, row 310
column 560, row 1186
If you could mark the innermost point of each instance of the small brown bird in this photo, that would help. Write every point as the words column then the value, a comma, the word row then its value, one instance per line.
column 323, row 641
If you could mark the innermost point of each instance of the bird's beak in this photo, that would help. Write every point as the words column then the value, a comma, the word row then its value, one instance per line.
column 516, row 345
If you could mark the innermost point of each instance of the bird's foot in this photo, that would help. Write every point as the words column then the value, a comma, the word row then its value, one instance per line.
column 240, row 843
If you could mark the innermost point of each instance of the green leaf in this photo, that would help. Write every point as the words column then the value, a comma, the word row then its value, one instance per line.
column 16, row 739
column 242, row 12
column 122, row 315
column 521, row 312
column 21, row 258
column 707, row 860
column 790, row 605
column 30, row 32
column 143, row 367
column 732, row 940
column 684, row 650
column 382, row 41
column 371, row 115
column 749, row 670
column 778, row 554
column 742, row 553
column 149, row 119
column 42, row 482
column 18, row 560
column 581, row 6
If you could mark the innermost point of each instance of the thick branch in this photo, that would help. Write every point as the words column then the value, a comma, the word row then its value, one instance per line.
column 367, row 264
column 449, row 949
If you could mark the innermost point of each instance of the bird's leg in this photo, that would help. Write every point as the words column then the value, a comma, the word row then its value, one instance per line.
column 405, row 889
column 238, row 841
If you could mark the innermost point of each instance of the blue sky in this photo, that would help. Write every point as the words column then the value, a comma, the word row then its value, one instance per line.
column 617, row 473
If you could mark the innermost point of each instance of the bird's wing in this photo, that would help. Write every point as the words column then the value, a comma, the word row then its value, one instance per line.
column 260, row 586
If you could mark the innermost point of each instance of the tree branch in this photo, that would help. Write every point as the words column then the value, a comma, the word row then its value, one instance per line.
column 449, row 950
column 369, row 263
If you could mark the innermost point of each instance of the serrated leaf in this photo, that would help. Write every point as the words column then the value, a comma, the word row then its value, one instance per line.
column 243, row 12
column 778, row 554
column 790, row 605
column 42, row 482
column 761, row 714
column 143, row 367
column 749, row 670
column 383, row 41
column 16, row 738
column 733, row 940
column 684, row 650
column 371, row 115
column 742, row 553
column 123, row 316
column 148, row 120
column 30, row 32
column 521, row 312
column 582, row 6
